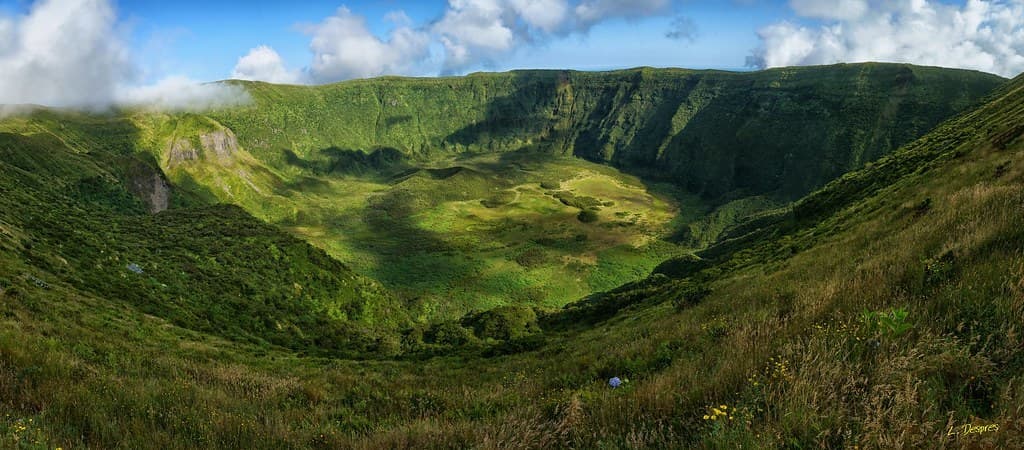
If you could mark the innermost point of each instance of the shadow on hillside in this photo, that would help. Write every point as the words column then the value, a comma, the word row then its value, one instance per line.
column 538, row 116
column 515, row 118
column 396, row 120
column 334, row 160
column 407, row 258
column 412, row 260
column 516, row 166
column 90, row 153
column 542, row 113
column 756, row 133
column 536, row 122
column 190, row 193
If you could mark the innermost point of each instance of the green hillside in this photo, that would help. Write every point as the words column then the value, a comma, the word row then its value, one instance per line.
column 882, row 310
column 435, row 187
column 711, row 132
column 76, row 213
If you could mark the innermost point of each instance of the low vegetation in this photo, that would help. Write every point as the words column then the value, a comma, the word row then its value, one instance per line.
column 882, row 310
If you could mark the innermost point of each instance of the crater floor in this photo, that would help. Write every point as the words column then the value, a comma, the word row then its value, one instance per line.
column 479, row 232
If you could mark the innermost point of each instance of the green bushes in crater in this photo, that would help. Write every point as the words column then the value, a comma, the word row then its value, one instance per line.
column 587, row 216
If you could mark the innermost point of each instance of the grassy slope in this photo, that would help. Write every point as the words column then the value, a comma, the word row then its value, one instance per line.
column 452, row 236
column 68, row 216
column 935, row 229
column 324, row 163
column 712, row 132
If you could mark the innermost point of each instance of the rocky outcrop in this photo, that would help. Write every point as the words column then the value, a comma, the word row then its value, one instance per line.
column 219, row 144
column 149, row 185
column 181, row 150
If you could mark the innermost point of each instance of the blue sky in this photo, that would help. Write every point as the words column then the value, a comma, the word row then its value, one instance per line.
column 96, row 52
column 207, row 45
column 204, row 39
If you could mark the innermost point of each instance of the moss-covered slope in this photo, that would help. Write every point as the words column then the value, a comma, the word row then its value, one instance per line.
column 782, row 131
column 69, row 216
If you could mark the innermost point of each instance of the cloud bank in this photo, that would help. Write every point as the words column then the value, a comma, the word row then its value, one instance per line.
column 264, row 64
column 986, row 35
column 69, row 53
column 178, row 93
column 476, row 32
column 471, row 33
column 62, row 53
column 343, row 47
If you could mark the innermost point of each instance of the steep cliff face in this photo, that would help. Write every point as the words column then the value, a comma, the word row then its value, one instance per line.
column 180, row 151
column 151, row 187
column 216, row 145
column 783, row 132
column 220, row 144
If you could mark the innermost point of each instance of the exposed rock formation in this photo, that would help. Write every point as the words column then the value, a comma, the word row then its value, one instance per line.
column 217, row 145
column 220, row 144
column 149, row 185
column 181, row 150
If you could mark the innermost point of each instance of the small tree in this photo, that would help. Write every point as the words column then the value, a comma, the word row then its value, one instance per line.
column 587, row 216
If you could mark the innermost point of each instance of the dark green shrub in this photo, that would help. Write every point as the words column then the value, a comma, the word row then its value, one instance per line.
column 690, row 295
column 682, row 266
column 517, row 345
column 587, row 216
column 412, row 338
column 500, row 199
column 550, row 184
column 503, row 323
column 388, row 346
column 582, row 202
column 449, row 333
column 10, row 292
column 663, row 356
column 1002, row 168
column 923, row 207
column 531, row 258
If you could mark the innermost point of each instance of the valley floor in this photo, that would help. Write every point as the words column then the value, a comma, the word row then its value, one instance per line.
column 486, row 231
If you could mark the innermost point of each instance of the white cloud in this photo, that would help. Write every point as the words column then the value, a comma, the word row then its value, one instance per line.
column 546, row 15
column 177, row 93
column 590, row 12
column 399, row 18
column 834, row 9
column 69, row 53
column 343, row 47
column 472, row 33
column 474, row 30
column 62, row 53
column 264, row 64
column 15, row 110
column 986, row 35
column 7, row 35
